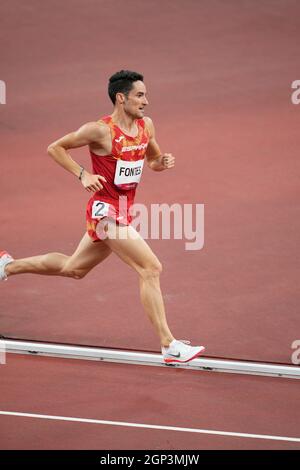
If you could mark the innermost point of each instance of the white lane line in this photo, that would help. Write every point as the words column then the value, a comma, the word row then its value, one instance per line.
column 152, row 426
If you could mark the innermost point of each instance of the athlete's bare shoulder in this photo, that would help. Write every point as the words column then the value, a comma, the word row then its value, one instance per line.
column 149, row 125
column 95, row 130
column 148, row 121
column 90, row 133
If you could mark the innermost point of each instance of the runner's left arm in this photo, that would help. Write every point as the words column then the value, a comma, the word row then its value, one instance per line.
column 155, row 159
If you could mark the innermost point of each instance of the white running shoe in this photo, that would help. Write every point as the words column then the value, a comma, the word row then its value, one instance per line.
column 180, row 351
column 5, row 259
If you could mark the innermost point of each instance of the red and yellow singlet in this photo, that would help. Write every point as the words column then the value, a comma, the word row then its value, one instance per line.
column 122, row 170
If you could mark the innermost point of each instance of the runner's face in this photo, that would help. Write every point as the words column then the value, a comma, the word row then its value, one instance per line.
column 136, row 100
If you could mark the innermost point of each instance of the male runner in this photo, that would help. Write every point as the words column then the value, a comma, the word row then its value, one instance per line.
column 118, row 145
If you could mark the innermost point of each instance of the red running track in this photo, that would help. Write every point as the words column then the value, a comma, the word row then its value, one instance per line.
column 143, row 395
column 219, row 79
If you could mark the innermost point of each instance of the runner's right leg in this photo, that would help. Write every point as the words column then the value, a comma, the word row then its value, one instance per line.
column 126, row 243
column 86, row 257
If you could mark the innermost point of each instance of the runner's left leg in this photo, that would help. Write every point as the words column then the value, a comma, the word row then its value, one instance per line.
column 86, row 257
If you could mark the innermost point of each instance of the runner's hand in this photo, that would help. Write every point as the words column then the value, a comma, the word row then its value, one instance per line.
column 92, row 182
column 168, row 161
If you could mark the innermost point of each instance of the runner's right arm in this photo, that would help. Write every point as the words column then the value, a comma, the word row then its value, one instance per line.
column 85, row 135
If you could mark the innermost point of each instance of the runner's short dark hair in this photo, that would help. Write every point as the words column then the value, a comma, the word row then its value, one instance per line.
column 122, row 82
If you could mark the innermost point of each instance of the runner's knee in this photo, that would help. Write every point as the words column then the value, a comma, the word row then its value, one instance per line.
column 74, row 273
column 151, row 271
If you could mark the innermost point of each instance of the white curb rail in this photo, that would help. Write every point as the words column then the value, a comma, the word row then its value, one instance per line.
column 148, row 359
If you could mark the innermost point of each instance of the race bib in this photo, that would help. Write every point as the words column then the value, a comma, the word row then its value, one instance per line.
column 128, row 173
column 100, row 209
